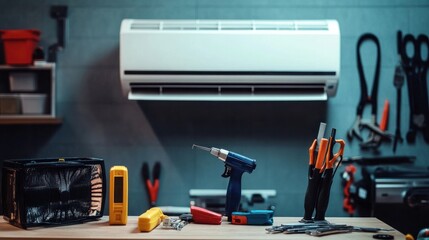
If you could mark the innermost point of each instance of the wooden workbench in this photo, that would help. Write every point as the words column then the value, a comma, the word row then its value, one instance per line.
column 102, row 230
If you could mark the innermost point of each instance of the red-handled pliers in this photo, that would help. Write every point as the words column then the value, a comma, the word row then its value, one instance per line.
column 152, row 186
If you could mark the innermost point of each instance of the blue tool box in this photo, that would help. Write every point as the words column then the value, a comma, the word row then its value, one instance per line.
column 253, row 217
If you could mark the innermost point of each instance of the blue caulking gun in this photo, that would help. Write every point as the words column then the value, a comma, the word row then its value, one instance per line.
column 235, row 166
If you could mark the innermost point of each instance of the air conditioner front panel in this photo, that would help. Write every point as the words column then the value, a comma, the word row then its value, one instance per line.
column 195, row 53
column 228, row 52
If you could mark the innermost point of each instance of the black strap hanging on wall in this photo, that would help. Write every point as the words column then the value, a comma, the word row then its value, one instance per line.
column 60, row 14
column 377, row 133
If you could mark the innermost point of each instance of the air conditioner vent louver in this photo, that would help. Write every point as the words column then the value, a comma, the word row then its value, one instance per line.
column 222, row 92
column 236, row 26
column 228, row 25
column 271, row 26
column 312, row 26
column 145, row 26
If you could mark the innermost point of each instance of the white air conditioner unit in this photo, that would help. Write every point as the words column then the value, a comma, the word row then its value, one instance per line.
column 229, row 59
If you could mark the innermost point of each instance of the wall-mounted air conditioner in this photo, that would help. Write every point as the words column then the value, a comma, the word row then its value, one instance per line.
column 229, row 59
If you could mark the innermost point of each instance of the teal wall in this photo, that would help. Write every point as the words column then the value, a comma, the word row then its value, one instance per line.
column 99, row 121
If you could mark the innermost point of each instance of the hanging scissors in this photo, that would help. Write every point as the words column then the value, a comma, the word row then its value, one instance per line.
column 416, row 66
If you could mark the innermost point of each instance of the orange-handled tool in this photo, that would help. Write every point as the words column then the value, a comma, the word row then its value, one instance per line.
column 311, row 152
column 321, row 154
column 328, row 173
column 314, row 178
column 329, row 163
column 385, row 117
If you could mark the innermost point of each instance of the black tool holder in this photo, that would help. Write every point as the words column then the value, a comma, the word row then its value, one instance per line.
column 60, row 14
column 320, row 182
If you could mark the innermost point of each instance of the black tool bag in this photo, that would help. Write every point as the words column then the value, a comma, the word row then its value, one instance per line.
column 61, row 191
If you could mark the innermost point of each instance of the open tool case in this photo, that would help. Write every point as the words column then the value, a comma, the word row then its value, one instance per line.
column 61, row 191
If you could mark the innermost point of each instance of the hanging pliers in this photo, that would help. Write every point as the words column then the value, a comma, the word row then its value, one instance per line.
column 152, row 186
column 375, row 140
column 365, row 99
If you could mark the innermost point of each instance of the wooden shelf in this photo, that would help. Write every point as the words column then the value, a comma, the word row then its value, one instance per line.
column 29, row 120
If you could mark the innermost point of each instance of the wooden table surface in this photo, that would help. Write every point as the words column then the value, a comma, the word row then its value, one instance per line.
column 102, row 230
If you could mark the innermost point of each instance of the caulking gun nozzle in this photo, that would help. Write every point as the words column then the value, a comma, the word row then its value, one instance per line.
column 201, row 147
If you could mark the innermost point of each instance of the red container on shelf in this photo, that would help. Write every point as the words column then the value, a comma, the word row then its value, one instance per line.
column 19, row 45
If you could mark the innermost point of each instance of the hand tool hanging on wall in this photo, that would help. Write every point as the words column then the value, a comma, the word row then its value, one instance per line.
column 380, row 160
column 359, row 123
column 320, row 176
column 152, row 186
column 374, row 140
column 398, row 82
column 415, row 66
